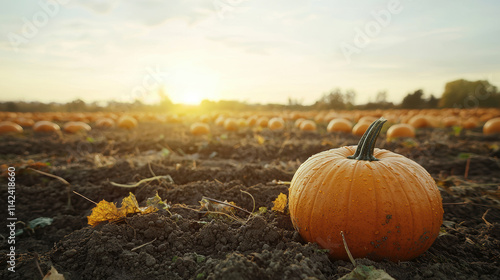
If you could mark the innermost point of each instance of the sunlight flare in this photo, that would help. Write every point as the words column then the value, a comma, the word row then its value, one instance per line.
column 191, row 85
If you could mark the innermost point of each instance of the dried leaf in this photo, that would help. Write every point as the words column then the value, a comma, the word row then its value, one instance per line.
column 157, row 202
column 53, row 275
column 260, row 139
column 129, row 205
column 362, row 272
column 104, row 211
column 327, row 143
column 213, row 206
column 280, row 203
column 107, row 211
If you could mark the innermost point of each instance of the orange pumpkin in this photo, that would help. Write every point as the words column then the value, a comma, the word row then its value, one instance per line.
column 45, row 126
column 252, row 121
column 219, row 121
column 10, row 127
column 360, row 128
column 400, row 130
column 308, row 125
column 469, row 123
column 298, row 122
column 492, row 126
column 230, row 124
column 199, row 128
column 25, row 122
column 276, row 124
column 339, row 124
column 78, row 117
column 419, row 121
column 451, row 121
column 127, row 122
column 205, row 118
column 367, row 119
column 387, row 205
column 74, row 127
column 242, row 122
column 105, row 122
column 262, row 121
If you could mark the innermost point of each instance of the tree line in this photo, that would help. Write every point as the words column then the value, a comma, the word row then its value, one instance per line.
column 457, row 94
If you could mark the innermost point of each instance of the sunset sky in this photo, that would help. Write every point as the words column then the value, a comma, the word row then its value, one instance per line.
column 259, row 51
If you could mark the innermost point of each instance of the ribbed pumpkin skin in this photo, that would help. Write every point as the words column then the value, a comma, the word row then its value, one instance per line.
column 389, row 208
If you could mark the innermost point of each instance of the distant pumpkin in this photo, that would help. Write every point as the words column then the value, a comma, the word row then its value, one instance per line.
column 276, row 124
column 298, row 122
column 469, row 123
column 230, row 124
column 262, row 122
column 74, row 127
column 451, row 121
column 104, row 122
column 46, row 126
column 308, row 125
column 25, row 122
column 252, row 120
column 199, row 128
column 242, row 122
column 127, row 122
column 419, row 121
column 492, row 126
column 10, row 127
column 367, row 119
column 360, row 128
column 339, row 125
column 401, row 130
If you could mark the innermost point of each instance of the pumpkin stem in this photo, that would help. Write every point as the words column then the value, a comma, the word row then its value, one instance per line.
column 366, row 144
column 361, row 141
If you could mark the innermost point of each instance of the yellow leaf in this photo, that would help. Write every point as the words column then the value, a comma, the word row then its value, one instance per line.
column 129, row 205
column 327, row 143
column 107, row 211
column 104, row 211
column 280, row 203
column 260, row 139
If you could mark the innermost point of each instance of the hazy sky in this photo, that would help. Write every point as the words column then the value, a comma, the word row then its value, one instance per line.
column 249, row 50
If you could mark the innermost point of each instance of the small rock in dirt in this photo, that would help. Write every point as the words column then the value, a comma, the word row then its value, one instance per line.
column 70, row 253
column 159, row 223
column 428, row 273
column 162, row 247
column 149, row 260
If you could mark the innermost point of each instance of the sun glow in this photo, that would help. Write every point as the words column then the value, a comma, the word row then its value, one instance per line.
column 191, row 85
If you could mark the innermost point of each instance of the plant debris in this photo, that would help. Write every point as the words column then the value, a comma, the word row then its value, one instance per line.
column 108, row 212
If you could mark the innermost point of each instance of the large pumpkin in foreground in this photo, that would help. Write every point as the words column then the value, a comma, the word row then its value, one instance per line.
column 387, row 205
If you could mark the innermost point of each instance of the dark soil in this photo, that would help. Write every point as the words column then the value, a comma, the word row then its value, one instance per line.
column 184, row 243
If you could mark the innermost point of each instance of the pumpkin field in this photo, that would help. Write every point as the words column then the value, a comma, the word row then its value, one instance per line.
column 229, row 195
